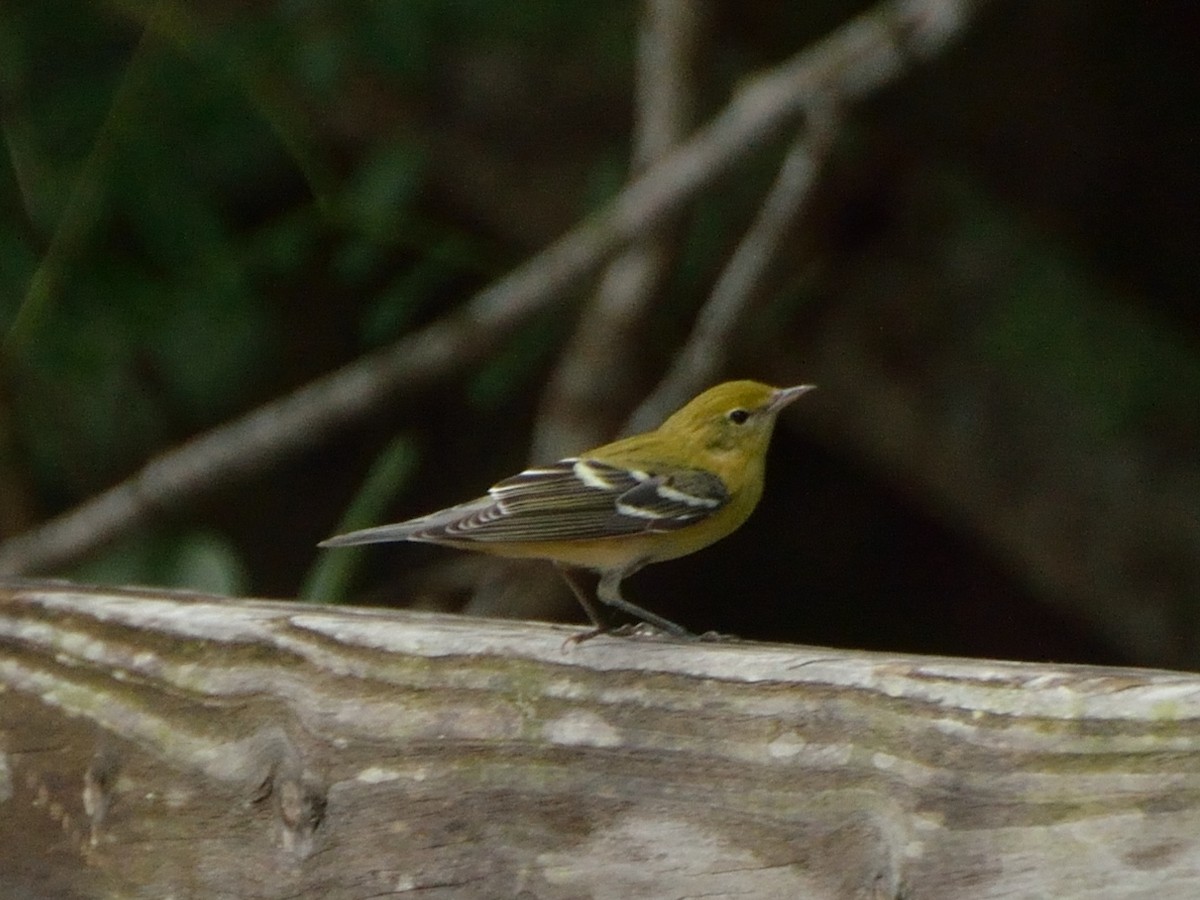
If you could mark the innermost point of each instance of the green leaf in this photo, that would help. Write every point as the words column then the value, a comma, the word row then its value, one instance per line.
column 334, row 569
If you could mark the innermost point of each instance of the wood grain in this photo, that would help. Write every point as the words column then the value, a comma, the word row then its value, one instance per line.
column 156, row 745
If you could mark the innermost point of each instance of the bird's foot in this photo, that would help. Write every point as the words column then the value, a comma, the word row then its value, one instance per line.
column 717, row 637
column 644, row 631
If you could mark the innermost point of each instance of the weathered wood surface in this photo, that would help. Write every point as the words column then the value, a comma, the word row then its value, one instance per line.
column 159, row 746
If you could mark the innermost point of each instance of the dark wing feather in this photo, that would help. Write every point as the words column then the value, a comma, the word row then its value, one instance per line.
column 579, row 499
column 669, row 501
column 573, row 499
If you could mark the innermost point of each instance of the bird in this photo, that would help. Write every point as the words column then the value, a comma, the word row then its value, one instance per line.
column 639, row 500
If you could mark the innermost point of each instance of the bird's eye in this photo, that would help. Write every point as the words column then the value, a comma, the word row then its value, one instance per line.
column 738, row 416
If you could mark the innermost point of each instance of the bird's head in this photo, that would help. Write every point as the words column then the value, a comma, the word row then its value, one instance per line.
column 737, row 416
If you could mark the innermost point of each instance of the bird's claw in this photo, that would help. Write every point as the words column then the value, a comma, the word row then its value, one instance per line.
column 643, row 631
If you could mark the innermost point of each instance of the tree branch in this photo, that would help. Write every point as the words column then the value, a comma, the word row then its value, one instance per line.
column 703, row 356
column 596, row 372
column 866, row 53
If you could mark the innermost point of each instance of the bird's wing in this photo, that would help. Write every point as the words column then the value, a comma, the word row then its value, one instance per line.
column 578, row 499
column 573, row 499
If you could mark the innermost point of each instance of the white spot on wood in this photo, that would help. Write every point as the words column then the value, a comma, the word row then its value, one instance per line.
column 912, row 772
column 829, row 754
column 929, row 821
column 580, row 728
column 178, row 798
column 956, row 727
column 786, row 746
column 377, row 775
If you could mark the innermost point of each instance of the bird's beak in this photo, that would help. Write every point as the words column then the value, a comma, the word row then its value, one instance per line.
column 784, row 396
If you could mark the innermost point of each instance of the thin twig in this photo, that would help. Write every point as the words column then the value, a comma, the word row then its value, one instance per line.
column 866, row 53
column 704, row 354
column 594, row 376
column 84, row 204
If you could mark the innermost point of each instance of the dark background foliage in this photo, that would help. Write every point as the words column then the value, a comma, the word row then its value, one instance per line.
column 205, row 206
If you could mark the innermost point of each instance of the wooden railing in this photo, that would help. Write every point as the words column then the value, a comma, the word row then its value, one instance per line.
column 162, row 745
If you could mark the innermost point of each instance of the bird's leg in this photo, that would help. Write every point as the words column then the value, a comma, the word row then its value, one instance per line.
column 576, row 581
column 609, row 591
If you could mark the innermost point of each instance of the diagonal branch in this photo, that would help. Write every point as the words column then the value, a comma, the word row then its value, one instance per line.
column 703, row 356
column 595, row 373
column 866, row 53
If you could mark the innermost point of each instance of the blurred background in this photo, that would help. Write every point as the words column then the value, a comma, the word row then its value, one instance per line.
column 989, row 267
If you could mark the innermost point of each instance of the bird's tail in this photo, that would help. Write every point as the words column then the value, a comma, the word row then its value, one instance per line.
column 380, row 534
column 430, row 528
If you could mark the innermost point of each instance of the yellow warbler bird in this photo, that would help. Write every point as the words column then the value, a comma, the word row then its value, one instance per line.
column 612, row 510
